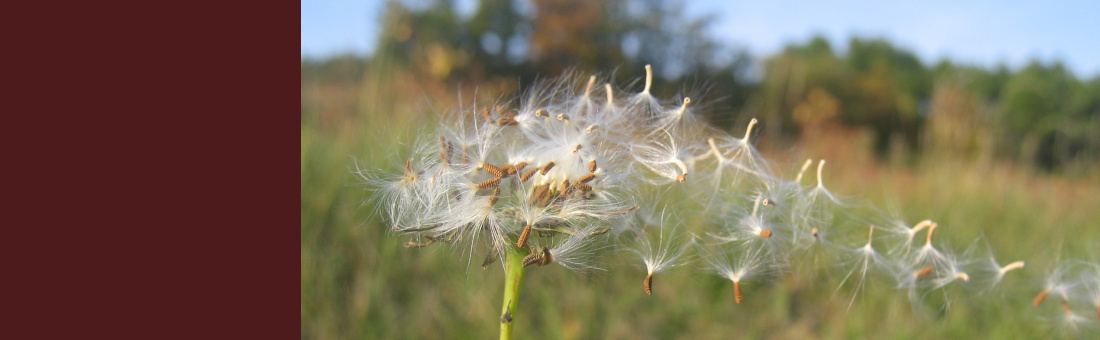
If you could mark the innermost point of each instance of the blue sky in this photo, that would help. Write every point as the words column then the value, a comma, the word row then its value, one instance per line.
column 975, row 32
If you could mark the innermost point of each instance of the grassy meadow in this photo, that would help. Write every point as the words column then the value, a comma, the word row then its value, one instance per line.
column 359, row 281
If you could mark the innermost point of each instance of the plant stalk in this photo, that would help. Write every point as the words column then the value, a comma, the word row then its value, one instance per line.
column 513, row 278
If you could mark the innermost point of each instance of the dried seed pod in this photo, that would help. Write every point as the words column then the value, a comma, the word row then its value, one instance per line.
column 489, row 183
column 546, row 168
column 765, row 233
column 925, row 271
column 737, row 291
column 592, row 166
column 523, row 236
column 648, row 284
column 493, row 170
column 586, row 178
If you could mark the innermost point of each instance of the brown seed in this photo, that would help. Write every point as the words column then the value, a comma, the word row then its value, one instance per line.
column 545, row 196
column 547, row 256
column 681, row 178
column 1039, row 298
column 583, row 187
column 523, row 236
column 546, row 168
column 541, row 113
column 599, row 232
column 493, row 169
column 765, row 233
column 410, row 230
column 592, row 166
column 493, row 197
column 508, row 169
column 505, row 113
column 489, row 260
column 931, row 229
column 564, row 187
column 563, row 117
column 443, row 239
column 485, row 113
column 527, row 175
column 1065, row 307
column 648, row 284
column 737, row 291
column 537, row 193
column 519, row 166
column 532, row 258
column 507, row 121
column 576, row 148
column 414, row 244
column 489, row 183
column 443, row 157
column 813, row 232
column 586, row 178
column 925, row 271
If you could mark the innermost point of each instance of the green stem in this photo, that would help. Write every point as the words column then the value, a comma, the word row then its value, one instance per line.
column 513, row 277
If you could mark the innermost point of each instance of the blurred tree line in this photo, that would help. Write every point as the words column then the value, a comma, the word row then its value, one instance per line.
column 1040, row 115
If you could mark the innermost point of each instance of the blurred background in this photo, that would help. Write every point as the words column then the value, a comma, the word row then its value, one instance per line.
column 983, row 116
